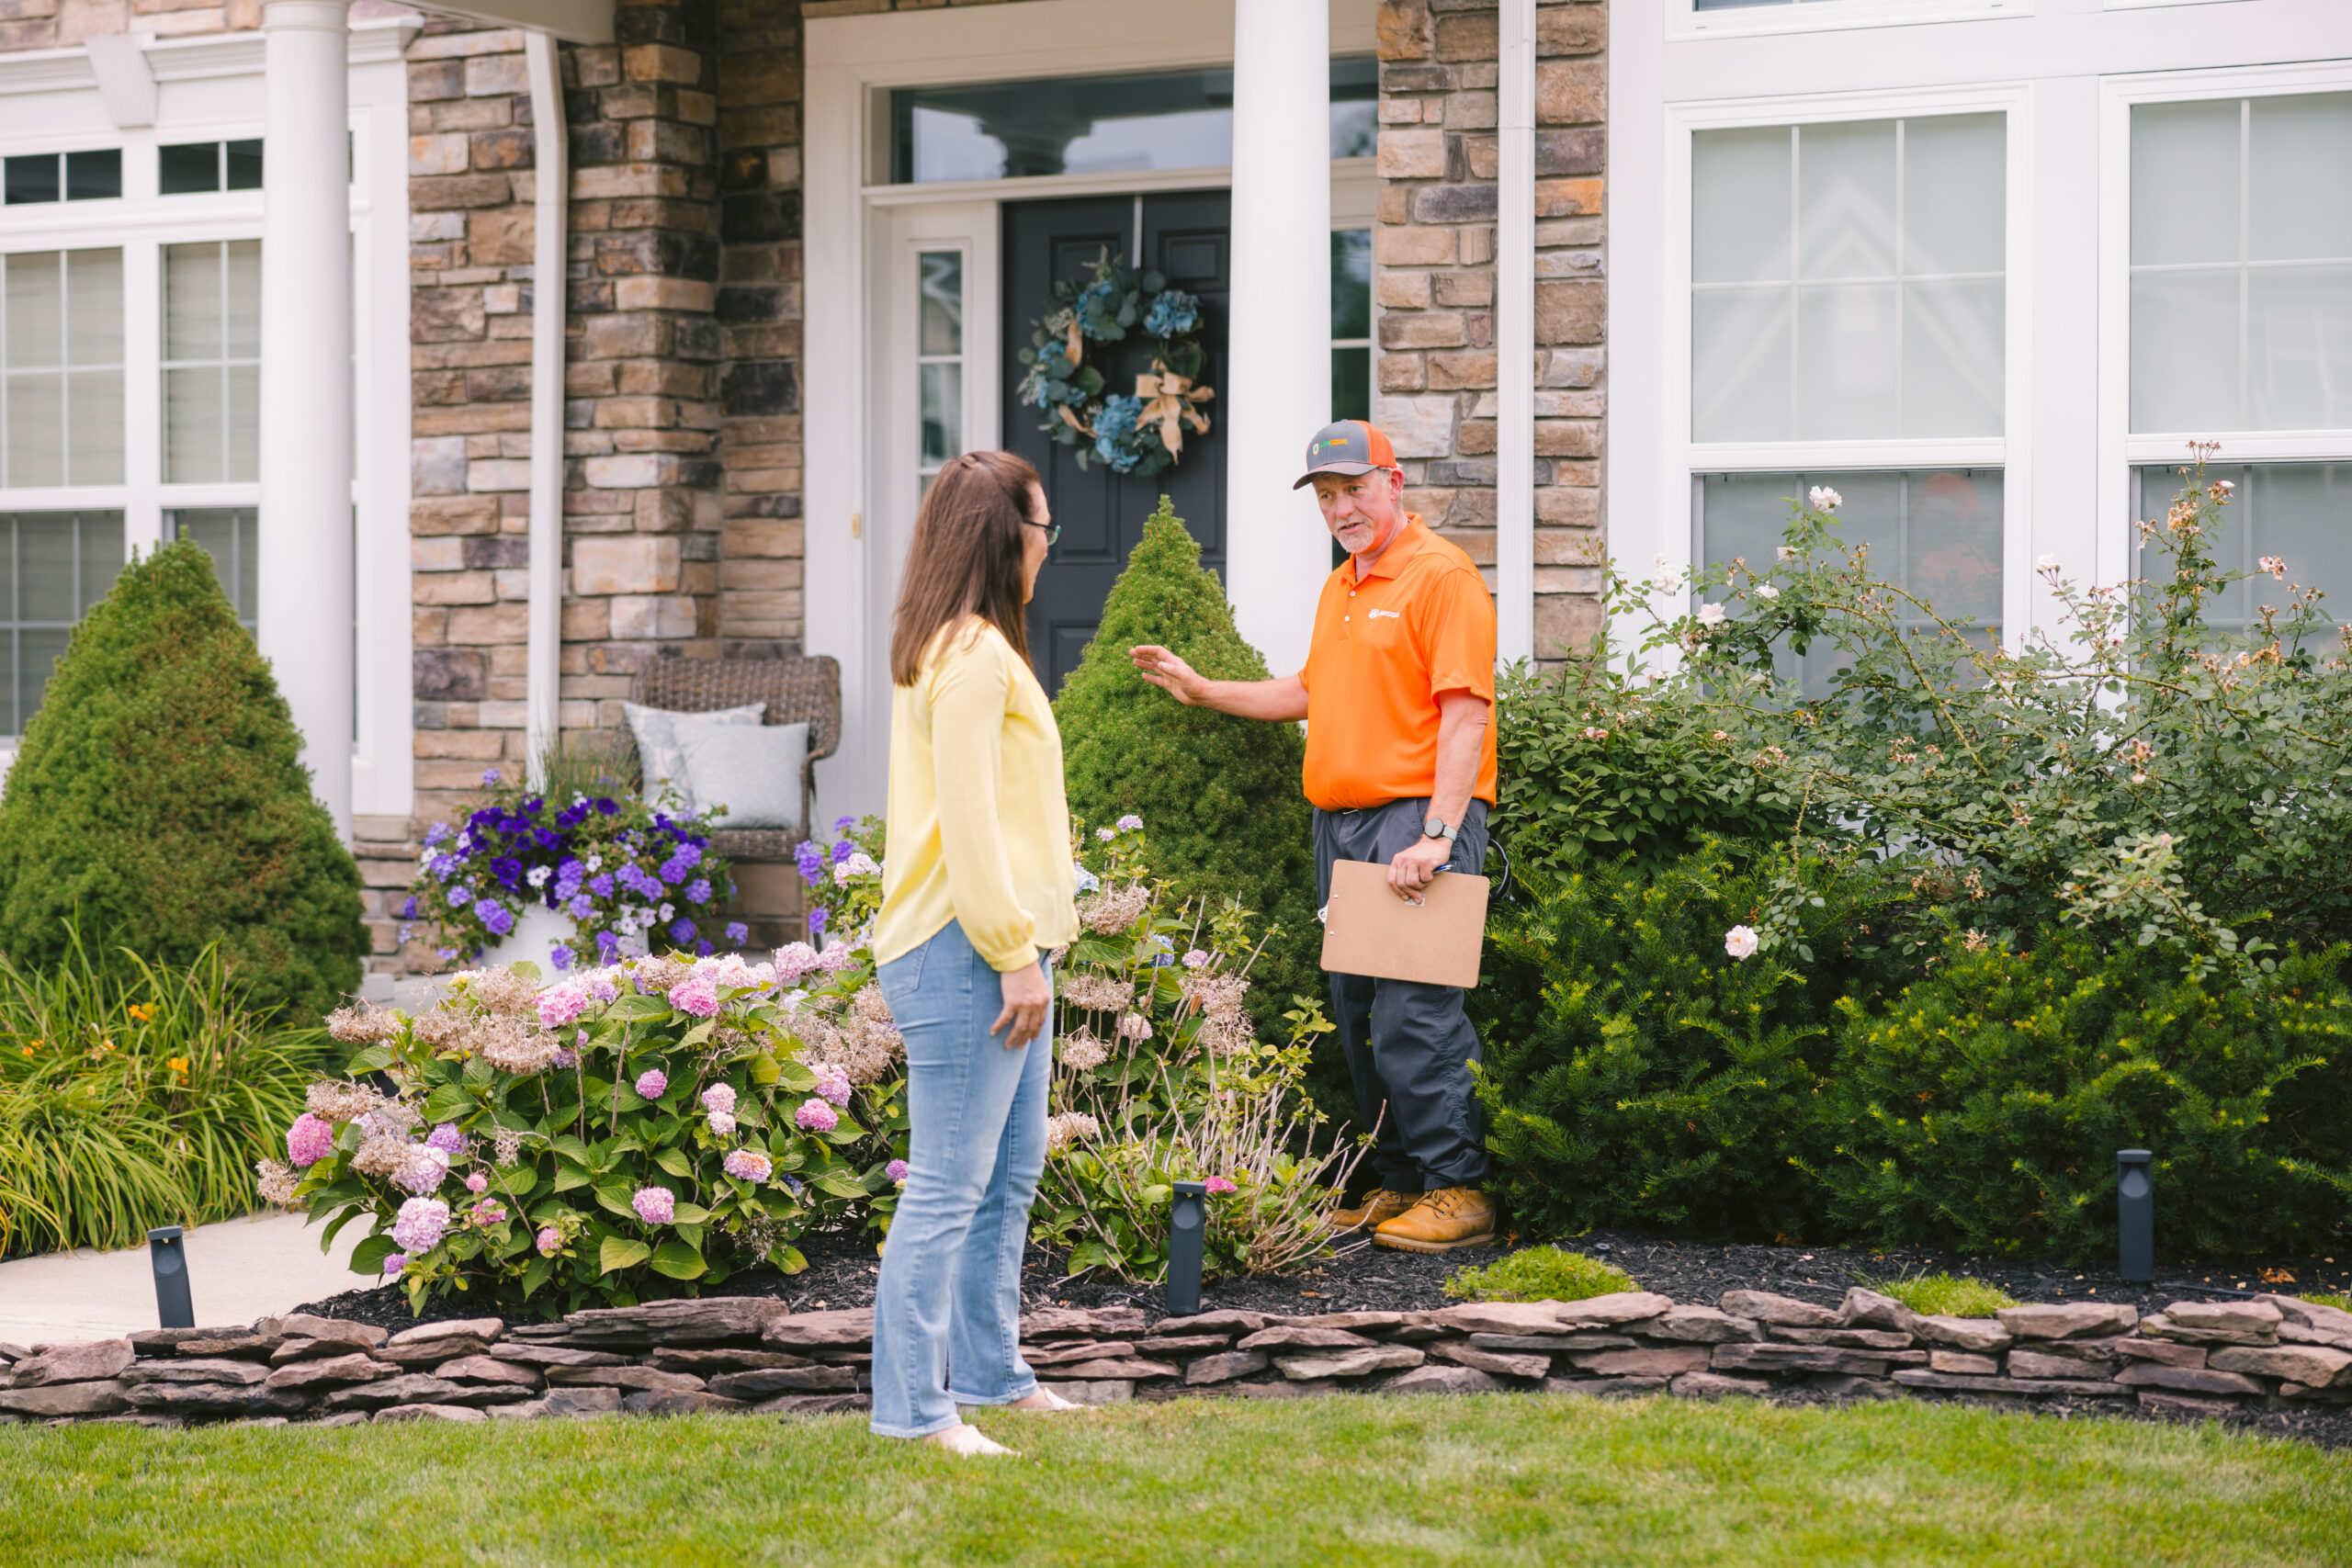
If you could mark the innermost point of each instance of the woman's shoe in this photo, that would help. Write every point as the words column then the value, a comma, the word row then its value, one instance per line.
column 967, row 1441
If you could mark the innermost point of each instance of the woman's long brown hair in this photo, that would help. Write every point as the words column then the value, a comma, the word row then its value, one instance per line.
column 965, row 558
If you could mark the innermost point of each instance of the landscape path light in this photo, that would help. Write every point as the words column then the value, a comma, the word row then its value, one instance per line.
column 168, row 1251
column 2135, row 1215
column 1186, row 1227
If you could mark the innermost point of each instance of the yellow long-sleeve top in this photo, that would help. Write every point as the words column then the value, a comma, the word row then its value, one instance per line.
column 979, row 826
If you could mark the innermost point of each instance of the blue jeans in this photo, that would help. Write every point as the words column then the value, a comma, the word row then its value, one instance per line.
column 950, row 1295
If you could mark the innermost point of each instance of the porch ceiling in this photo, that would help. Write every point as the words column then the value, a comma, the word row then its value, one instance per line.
column 574, row 21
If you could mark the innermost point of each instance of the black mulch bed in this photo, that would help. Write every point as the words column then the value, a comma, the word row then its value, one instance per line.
column 843, row 1270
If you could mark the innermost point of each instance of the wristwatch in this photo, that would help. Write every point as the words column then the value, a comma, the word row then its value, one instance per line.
column 1435, row 827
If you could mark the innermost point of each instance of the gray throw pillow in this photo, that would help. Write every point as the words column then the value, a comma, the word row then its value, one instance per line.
column 660, row 761
column 753, row 771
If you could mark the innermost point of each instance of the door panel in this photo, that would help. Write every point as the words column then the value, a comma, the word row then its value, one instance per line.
column 1186, row 235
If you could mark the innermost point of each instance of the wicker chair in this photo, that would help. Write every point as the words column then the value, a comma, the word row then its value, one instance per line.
column 768, row 887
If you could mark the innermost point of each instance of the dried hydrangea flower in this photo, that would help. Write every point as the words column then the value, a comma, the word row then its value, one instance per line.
column 655, row 976
column 1090, row 990
column 1113, row 910
column 502, row 990
column 1135, row 1026
column 1068, row 1128
column 364, row 1024
column 1215, row 996
column 513, row 1047
column 506, row 1147
column 379, row 1155
column 276, row 1183
column 1083, row 1051
column 440, row 1028
column 342, row 1101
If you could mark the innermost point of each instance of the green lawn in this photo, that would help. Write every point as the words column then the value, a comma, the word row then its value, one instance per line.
column 1495, row 1481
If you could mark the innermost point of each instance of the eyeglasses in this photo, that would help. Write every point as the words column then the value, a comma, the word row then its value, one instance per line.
column 1053, row 531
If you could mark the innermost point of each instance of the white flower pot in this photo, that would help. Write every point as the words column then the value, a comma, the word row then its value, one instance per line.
column 538, row 929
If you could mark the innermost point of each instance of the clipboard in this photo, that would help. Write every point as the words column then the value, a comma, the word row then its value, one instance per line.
column 1367, row 930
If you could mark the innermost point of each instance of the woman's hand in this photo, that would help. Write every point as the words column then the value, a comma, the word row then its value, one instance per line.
column 1028, row 997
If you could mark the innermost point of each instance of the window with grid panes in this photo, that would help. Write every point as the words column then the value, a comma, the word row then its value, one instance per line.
column 1847, row 286
column 61, row 368
column 212, row 362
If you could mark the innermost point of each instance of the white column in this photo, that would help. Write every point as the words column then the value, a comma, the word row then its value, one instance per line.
column 1515, row 334
column 543, row 673
column 1278, row 374
column 305, row 569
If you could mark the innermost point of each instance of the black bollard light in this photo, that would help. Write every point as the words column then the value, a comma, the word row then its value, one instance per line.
column 166, row 1249
column 1186, row 1229
column 2135, row 1215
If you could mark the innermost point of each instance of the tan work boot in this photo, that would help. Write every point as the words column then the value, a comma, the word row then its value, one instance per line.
column 1442, row 1221
column 1379, row 1206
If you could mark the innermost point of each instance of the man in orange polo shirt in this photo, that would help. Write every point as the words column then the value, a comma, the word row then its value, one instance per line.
column 1397, row 691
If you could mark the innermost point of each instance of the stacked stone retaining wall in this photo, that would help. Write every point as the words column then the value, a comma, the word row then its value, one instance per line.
column 748, row 1354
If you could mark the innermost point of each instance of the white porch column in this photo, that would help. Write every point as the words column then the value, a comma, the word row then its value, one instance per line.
column 306, row 358
column 1278, row 369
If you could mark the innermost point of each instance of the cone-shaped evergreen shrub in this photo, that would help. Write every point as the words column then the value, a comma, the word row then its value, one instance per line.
column 160, row 795
column 1220, row 795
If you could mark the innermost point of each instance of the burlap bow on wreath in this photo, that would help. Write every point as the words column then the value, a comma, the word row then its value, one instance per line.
column 1143, row 433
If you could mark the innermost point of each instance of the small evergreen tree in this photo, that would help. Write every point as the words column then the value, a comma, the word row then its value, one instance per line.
column 159, row 799
column 1219, row 796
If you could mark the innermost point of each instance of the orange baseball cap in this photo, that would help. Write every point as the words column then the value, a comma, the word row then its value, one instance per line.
column 1347, row 447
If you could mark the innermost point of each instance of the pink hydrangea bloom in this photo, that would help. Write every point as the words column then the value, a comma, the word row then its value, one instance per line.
column 566, row 1060
column 834, row 1084
column 896, row 1171
column 835, row 957
column 817, row 1116
column 650, row 1083
column 1217, row 1184
column 477, row 1182
column 1129, row 824
column 722, row 1123
column 794, row 961
column 719, row 1097
column 549, row 1239
column 655, row 1205
column 489, row 1212
column 747, row 1165
column 696, row 994
column 309, row 1141
column 559, row 1005
column 422, row 1170
column 420, row 1223
column 395, row 1261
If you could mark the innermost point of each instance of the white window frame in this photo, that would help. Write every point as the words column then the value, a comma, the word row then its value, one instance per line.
column 2121, row 451
column 209, row 88
column 1685, row 21
column 2011, row 451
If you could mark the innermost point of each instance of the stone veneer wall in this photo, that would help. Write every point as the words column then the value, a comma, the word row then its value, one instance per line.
column 1434, row 282
column 743, row 1353
column 61, row 24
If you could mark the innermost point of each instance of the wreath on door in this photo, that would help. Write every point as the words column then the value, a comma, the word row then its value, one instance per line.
column 1140, row 433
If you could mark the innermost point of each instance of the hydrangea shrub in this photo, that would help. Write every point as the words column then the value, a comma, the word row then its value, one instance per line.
column 643, row 1128
column 632, row 876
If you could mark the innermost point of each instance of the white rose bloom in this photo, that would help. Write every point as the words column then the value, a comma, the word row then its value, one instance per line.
column 1710, row 614
column 1740, row 941
column 1766, row 590
column 2047, row 563
column 1823, row 499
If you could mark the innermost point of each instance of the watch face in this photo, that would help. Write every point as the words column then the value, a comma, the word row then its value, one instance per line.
column 1433, row 828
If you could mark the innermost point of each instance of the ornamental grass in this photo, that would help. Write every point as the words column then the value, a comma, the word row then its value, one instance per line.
column 134, row 1095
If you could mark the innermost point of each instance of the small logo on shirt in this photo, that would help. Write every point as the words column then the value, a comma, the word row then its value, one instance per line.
column 1392, row 614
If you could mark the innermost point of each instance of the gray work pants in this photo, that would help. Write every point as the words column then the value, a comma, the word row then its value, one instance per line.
column 1408, row 1045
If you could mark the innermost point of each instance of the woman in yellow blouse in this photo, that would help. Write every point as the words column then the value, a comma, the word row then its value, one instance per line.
column 976, row 884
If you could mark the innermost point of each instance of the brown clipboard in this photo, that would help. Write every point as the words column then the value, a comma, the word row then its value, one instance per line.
column 1367, row 930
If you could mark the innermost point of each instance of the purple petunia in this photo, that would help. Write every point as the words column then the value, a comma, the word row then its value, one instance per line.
column 608, row 946
column 407, row 910
column 489, row 777
column 817, row 1116
column 843, row 824
column 817, row 919
column 655, row 1205
column 842, row 851
column 601, row 885
column 674, row 871
column 811, row 861
column 309, row 1141
column 561, row 956
column 496, row 917
column 457, row 900
column 698, row 890
column 581, row 906
column 738, row 932
column 650, row 1083
column 435, row 834
column 682, row 930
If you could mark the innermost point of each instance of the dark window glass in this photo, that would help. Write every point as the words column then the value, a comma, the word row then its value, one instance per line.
column 188, row 168
column 93, row 176
column 1179, row 120
column 1350, row 283
column 1352, row 383
column 244, row 166
column 31, row 177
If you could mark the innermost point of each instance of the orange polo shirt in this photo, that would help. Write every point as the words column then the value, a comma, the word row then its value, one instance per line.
column 1418, row 626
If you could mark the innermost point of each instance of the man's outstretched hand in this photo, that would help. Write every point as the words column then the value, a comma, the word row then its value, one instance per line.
column 1169, row 673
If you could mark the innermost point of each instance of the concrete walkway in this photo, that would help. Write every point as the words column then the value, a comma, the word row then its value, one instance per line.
column 238, row 1270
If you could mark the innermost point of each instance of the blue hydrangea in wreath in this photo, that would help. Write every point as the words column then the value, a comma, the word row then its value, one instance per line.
column 1140, row 433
